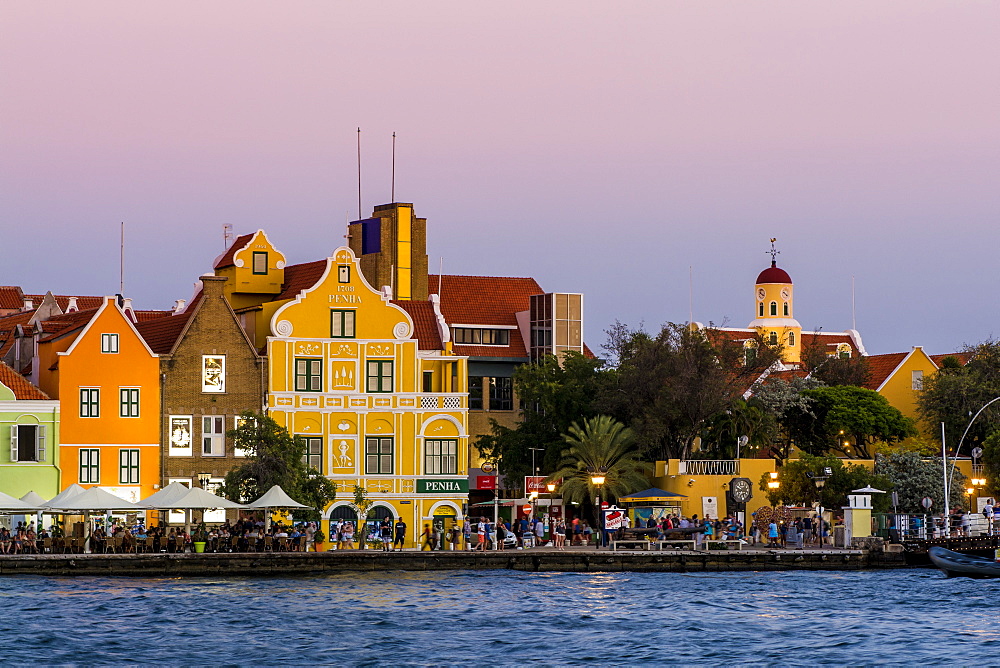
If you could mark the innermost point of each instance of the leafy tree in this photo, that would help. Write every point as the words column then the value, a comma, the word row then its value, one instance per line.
column 833, row 369
column 991, row 461
column 743, row 418
column 553, row 396
column 668, row 386
column 274, row 458
column 956, row 393
column 797, row 484
column 361, row 506
column 846, row 417
column 914, row 477
column 601, row 445
column 780, row 398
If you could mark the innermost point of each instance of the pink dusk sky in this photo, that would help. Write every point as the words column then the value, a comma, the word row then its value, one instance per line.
column 614, row 149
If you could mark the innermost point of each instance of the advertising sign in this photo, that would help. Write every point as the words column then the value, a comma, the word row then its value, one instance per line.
column 535, row 484
column 486, row 482
column 710, row 507
column 426, row 486
column 614, row 518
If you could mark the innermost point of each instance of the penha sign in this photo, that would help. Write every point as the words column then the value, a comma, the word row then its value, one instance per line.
column 437, row 486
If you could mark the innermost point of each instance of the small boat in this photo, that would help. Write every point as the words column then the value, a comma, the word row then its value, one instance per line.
column 956, row 564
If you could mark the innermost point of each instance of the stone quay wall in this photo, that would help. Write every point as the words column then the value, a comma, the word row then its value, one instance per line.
column 310, row 563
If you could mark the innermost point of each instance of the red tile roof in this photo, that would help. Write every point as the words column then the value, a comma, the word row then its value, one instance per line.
column 226, row 259
column 483, row 300
column 11, row 297
column 63, row 301
column 880, row 367
column 424, row 323
column 963, row 358
column 161, row 333
column 63, row 324
column 299, row 277
column 22, row 389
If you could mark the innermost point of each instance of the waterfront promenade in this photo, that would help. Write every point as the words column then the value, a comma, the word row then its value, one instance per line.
column 578, row 559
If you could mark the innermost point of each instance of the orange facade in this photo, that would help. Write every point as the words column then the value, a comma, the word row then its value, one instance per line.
column 107, row 381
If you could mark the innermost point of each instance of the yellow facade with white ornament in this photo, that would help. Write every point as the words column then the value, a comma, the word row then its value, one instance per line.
column 377, row 406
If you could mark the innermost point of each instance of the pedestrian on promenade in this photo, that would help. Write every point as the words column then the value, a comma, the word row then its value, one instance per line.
column 481, row 535
column 347, row 536
column 540, row 533
column 385, row 534
column 467, row 533
column 400, row 537
column 426, row 539
column 560, row 534
column 772, row 534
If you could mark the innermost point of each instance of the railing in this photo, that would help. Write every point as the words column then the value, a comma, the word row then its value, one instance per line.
column 709, row 467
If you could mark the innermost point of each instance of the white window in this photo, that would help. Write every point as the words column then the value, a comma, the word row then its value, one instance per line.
column 109, row 343
column 917, row 380
column 27, row 443
column 213, row 373
column 213, row 435
column 219, row 514
column 179, row 436
column 128, row 402
column 90, row 466
column 178, row 516
column 128, row 466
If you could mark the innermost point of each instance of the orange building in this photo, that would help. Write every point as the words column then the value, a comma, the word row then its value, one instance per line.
column 107, row 381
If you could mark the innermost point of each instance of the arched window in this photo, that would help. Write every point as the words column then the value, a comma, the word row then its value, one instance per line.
column 761, row 309
column 774, row 308
column 791, row 339
column 844, row 351
column 785, row 308
column 774, row 339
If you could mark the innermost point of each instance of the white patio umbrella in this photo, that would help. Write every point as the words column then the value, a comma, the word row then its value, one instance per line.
column 65, row 495
column 195, row 498
column 35, row 499
column 161, row 500
column 10, row 504
column 272, row 499
column 92, row 500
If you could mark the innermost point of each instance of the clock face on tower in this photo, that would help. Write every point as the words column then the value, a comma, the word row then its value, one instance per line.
column 785, row 294
column 740, row 490
column 760, row 293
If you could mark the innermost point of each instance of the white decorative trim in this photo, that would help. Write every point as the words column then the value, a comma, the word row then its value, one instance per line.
column 447, row 418
column 450, row 504
column 280, row 264
column 402, row 330
column 238, row 262
column 283, row 328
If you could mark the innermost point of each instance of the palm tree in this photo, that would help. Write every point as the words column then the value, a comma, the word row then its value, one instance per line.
column 602, row 445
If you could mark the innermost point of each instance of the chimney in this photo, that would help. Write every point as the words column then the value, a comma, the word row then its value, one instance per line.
column 72, row 306
column 179, row 306
column 212, row 285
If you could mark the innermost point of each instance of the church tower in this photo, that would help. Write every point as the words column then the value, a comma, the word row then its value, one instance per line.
column 774, row 315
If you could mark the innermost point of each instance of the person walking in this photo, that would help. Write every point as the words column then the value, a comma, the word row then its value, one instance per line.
column 347, row 536
column 772, row 534
column 385, row 534
column 426, row 539
column 399, row 539
column 467, row 533
column 481, row 535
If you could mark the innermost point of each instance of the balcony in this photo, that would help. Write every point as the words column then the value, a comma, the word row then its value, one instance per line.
column 728, row 467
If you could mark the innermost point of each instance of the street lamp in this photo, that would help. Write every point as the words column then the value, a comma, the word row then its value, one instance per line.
column 773, row 482
column 552, row 526
column 820, row 482
column 597, row 479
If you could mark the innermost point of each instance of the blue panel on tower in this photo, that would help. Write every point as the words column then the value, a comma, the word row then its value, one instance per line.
column 371, row 235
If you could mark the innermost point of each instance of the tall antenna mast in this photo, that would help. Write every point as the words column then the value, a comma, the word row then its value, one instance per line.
column 359, row 173
column 121, row 263
column 392, row 189
column 691, row 294
column 227, row 236
column 854, row 321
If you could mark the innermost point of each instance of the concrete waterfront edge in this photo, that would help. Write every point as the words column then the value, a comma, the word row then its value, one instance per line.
column 272, row 564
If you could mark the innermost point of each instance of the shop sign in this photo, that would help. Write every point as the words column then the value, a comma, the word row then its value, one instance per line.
column 534, row 484
column 437, row 486
column 486, row 482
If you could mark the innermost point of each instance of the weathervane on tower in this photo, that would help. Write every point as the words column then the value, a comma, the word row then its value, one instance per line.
column 774, row 253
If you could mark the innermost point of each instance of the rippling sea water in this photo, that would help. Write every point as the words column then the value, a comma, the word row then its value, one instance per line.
column 505, row 618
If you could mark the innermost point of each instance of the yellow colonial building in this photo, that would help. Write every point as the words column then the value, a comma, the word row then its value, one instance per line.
column 374, row 389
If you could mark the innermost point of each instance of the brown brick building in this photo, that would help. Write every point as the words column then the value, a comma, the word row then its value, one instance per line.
column 210, row 372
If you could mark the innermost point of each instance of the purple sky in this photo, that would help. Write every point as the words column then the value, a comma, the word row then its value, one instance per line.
column 601, row 148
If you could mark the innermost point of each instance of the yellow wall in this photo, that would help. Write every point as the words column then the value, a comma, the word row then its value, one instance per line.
column 244, row 287
column 898, row 388
column 343, row 413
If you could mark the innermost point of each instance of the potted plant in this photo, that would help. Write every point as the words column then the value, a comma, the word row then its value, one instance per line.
column 319, row 538
column 200, row 538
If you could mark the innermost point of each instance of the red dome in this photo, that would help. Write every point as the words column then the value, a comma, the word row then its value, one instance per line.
column 774, row 275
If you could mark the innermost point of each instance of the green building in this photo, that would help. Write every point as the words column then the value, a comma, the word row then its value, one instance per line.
column 29, row 437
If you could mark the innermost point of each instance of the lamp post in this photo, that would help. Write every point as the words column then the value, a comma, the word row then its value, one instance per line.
column 820, row 482
column 597, row 479
column 552, row 520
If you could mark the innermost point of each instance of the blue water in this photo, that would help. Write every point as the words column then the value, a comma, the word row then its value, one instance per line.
column 505, row 618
